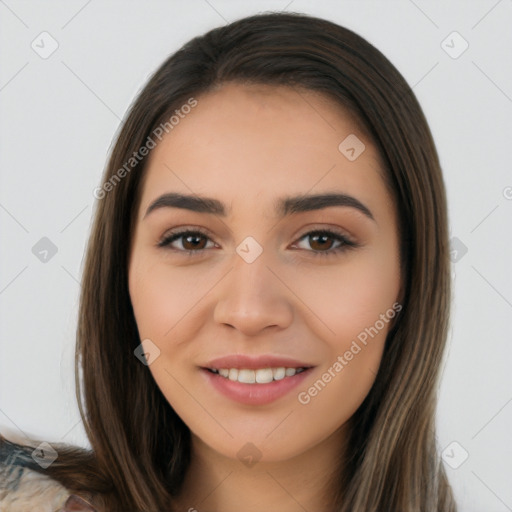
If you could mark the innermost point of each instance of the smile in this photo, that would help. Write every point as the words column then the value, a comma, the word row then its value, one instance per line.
column 255, row 386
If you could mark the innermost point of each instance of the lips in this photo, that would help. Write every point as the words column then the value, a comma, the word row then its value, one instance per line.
column 255, row 380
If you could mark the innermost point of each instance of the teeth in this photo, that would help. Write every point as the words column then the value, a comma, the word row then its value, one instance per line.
column 279, row 373
column 260, row 376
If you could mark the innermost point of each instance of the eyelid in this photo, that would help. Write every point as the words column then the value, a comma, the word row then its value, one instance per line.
column 335, row 230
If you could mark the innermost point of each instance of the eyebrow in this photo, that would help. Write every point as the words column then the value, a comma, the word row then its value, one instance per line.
column 284, row 206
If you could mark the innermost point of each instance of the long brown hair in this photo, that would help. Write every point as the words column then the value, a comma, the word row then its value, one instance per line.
column 140, row 446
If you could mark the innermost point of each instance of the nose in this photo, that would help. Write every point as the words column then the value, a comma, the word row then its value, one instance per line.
column 253, row 297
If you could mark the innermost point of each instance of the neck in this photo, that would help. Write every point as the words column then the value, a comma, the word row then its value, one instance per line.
column 215, row 483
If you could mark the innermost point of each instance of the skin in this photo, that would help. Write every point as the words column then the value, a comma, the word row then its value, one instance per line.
column 247, row 146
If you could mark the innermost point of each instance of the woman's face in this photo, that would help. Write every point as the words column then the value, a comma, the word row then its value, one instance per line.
column 262, row 279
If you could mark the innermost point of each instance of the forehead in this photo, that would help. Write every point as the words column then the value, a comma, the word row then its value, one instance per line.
column 258, row 142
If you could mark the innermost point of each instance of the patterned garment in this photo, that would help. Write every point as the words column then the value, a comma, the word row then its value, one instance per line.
column 22, row 489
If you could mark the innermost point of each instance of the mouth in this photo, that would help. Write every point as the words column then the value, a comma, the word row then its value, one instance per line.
column 255, row 380
column 255, row 386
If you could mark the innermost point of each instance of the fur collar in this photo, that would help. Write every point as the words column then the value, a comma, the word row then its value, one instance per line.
column 24, row 489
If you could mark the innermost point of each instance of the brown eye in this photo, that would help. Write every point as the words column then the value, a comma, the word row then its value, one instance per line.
column 323, row 242
column 191, row 241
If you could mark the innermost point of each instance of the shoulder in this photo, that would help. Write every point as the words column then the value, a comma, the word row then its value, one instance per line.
column 24, row 488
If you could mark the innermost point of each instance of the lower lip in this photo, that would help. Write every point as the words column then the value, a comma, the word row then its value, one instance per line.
column 255, row 394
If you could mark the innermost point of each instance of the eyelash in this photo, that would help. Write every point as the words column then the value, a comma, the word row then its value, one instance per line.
column 347, row 244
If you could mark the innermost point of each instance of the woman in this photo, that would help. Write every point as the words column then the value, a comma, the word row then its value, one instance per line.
column 266, row 289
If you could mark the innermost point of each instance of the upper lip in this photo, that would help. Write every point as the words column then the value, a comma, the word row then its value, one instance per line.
column 252, row 363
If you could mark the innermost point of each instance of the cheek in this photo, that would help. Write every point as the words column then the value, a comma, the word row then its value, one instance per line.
column 351, row 297
column 357, row 307
column 162, row 297
column 354, row 308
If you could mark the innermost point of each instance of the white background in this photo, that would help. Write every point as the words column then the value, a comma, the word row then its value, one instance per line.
column 59, row 115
